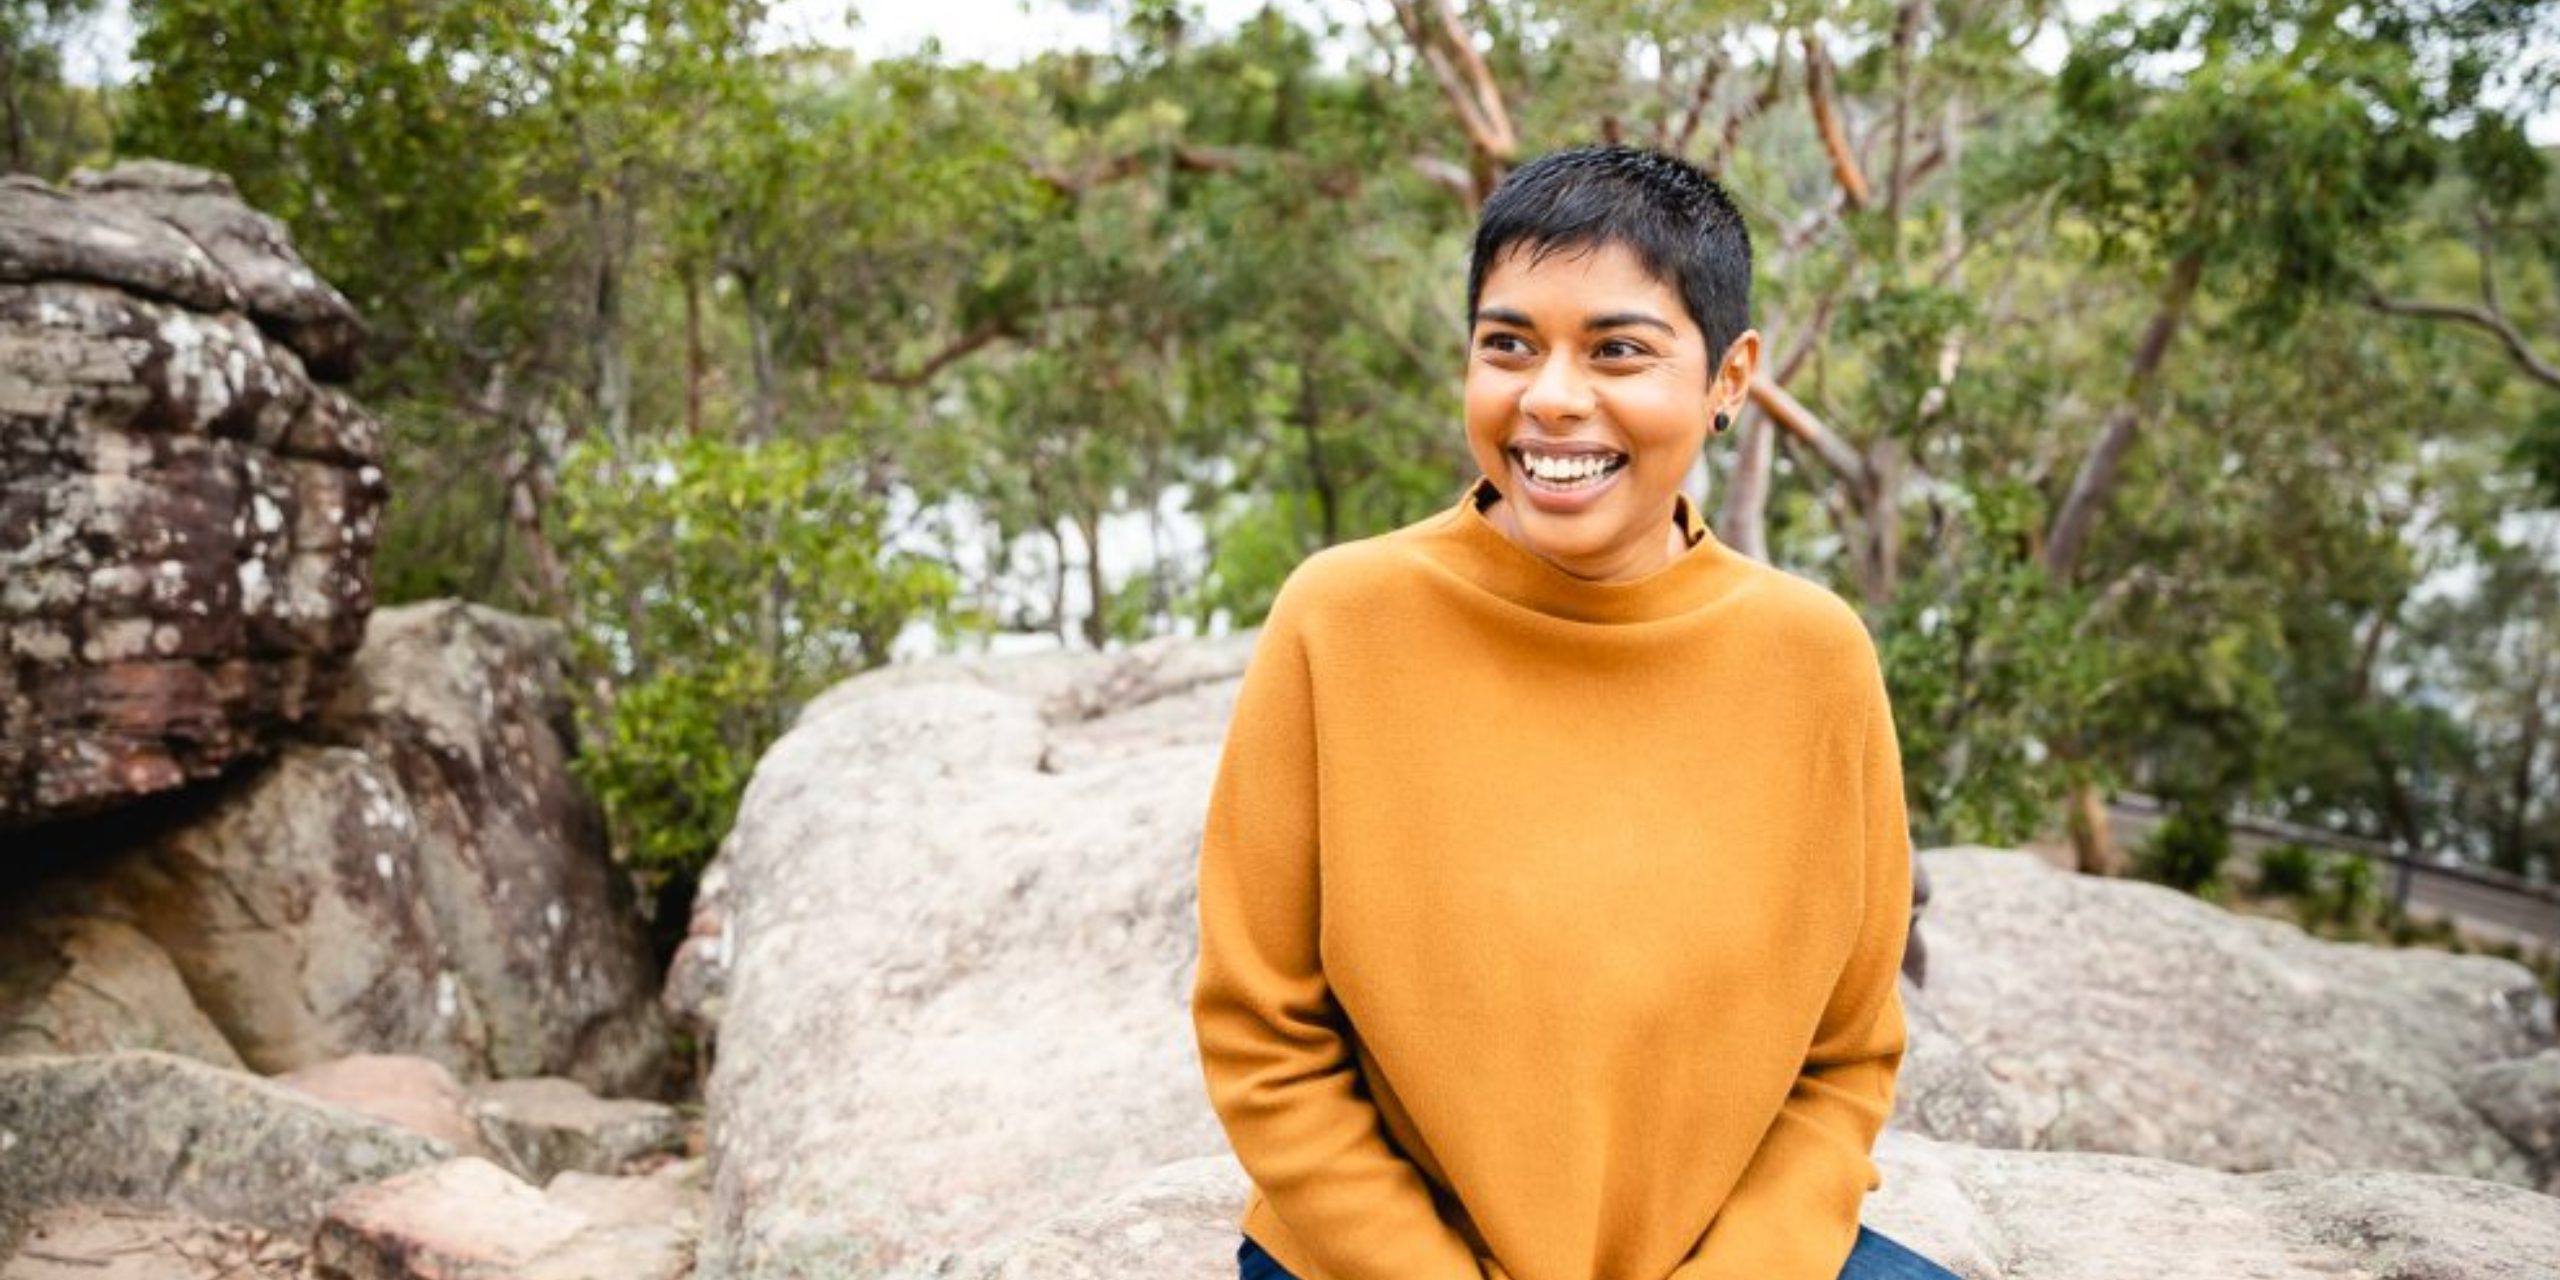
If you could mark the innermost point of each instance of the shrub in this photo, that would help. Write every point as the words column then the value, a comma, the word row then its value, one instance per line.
column 2187, row 849
column 716, row 586
column 2287, row 870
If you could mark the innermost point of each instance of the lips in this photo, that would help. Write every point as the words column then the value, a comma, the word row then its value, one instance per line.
column 1564, row 448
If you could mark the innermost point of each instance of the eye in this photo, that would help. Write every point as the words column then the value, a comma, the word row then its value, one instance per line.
column 1507, row 344
column 1620, row 349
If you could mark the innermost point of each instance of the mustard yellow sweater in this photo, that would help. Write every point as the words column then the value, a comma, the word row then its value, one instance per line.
column 1550, row 929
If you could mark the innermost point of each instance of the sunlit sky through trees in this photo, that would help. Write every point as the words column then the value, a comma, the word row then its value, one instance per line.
column 992, row 31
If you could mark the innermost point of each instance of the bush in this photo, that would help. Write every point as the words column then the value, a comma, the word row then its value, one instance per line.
column 2287, row 870
column 2349, row 895
column 716, row 586
column 2187, row 849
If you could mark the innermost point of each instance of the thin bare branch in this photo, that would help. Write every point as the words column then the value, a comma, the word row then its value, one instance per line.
column 1826, row 120
column 1801, row 424
column 1466, row 82
column 2494, row 323
column 958, row 348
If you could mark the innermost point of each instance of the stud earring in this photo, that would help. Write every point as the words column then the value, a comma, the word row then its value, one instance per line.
column 1721, row 421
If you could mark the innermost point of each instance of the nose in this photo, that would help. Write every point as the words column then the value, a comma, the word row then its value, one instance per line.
column 1558, row 392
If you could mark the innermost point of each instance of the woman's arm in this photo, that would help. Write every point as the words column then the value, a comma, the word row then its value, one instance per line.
column 1793, row 1215
column 1281, row 1078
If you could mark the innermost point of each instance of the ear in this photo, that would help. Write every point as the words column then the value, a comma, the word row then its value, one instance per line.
column 1730, row 386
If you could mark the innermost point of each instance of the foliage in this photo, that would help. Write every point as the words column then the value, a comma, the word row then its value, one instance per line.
column 2345, row 896
column 48, row 124
column 1983, row 658
column 720, row 586
column 2187, row 850
column 2287, row 869
column 633, row 267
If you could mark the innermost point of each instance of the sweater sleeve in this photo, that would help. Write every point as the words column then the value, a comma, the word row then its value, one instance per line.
column 1280, row 1075
column 1793, row 1215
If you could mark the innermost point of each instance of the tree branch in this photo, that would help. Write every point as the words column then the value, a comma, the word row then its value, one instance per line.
column 2488, row 319
column 1826, row 120
column 1466, row 83
column 959, row 347
column 1073, row 184
column 1800, row 423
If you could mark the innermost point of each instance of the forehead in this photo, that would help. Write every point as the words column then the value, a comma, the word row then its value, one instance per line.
column 1601, row 276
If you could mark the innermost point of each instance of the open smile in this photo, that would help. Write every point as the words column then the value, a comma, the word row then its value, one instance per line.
column 1568, row 481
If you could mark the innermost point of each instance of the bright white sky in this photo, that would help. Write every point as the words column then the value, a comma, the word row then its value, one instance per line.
column 994, row 31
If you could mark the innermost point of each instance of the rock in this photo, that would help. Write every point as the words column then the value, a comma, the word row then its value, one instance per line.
column 187, row 509
column 469, row 1218
column 416, row 1094
column 85, row 984
column 959, row 916
column 2122, row 1016
column 297, row 906
column 426, row 878
column 49, row 234
column 1181, row 1220
column 252, row 250
column 2521, row 1096
column 1984, row 1213
column 548, row 1126
column 151, row 1130
column 1942, row 1090
column 468, row 708
column 697, row 985
column 670, row 1195
column 89, row 1242
column 962, row 894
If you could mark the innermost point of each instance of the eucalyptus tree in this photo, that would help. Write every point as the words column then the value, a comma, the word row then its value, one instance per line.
column 474, row 176
column 2259, row 154
column 48, row 122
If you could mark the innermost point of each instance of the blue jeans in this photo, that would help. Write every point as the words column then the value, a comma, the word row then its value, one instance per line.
column 1877, row 1257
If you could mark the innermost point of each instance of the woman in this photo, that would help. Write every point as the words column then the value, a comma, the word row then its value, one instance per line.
column 1555, row 877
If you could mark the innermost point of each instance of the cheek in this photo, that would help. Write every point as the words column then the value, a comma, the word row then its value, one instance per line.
column 1488, row 400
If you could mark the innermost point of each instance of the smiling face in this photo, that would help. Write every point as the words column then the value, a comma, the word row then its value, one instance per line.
column 1587, row 397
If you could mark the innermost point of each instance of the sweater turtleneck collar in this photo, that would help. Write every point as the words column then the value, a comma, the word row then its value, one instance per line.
column 1480, row 551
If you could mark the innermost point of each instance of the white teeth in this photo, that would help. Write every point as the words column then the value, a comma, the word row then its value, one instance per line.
column 1580, row 467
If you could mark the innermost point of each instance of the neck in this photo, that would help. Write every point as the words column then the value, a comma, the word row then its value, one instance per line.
column 1674, row 542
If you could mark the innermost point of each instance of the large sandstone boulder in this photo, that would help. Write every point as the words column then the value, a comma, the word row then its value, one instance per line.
column 421, row 875
column 468, row 709
column 962, row 902
column 160, row 1132
column 952, row 953
column 1985, row 1214
column 2122, row 1016
column 78, row 984
column 187, row 506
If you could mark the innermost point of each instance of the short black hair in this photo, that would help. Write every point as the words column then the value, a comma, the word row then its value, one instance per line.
column 1665, row 210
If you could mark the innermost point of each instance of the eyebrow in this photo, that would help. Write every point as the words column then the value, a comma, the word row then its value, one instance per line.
column 1611, row 320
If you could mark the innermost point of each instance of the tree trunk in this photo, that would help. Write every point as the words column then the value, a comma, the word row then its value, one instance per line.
column 764, row 418
column 2097, row 479
column 1097, row 618
column 9, row 102
column 1058, row 585
column 1309, row 417
column 2514, row 854
column 2093, row 841
column 694, row 362
column 611, row 390
column 1743, row 518
column 1880, row 509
